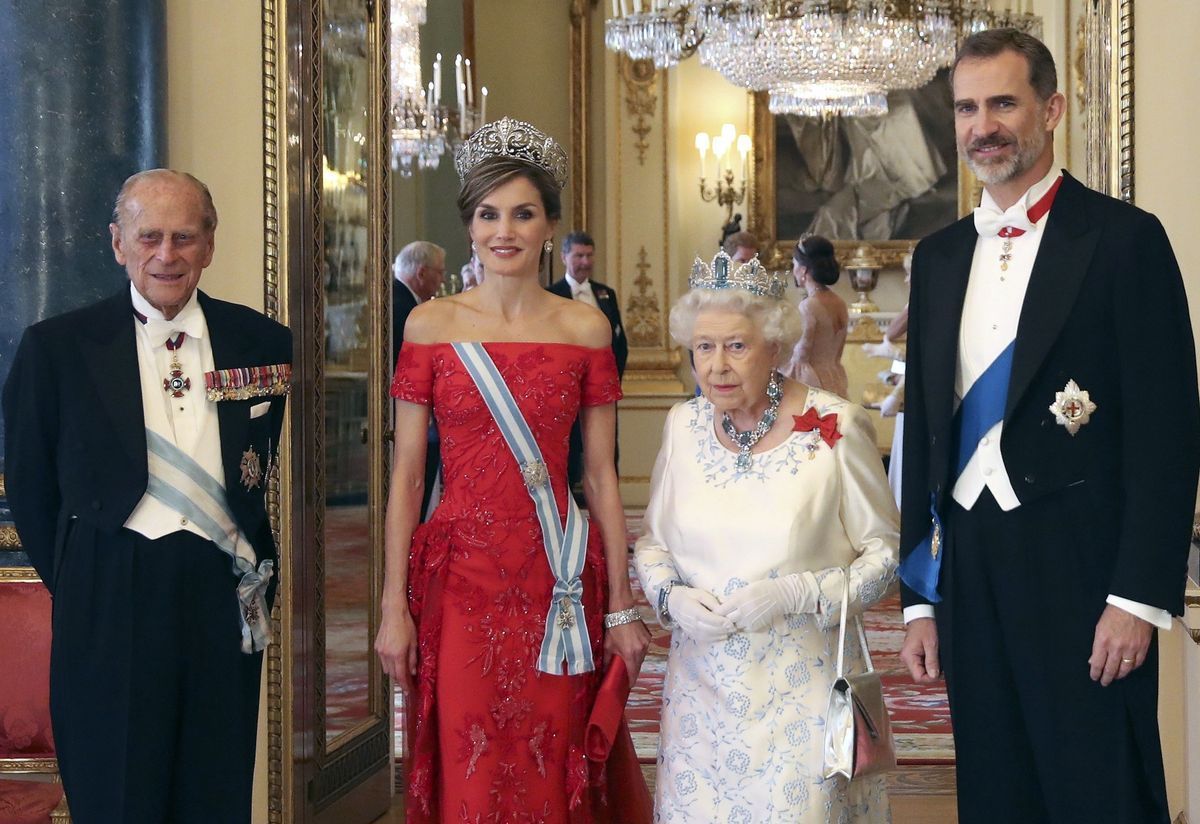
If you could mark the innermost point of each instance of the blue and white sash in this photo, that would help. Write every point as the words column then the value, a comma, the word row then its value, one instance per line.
column 981, row 409
column 180, row 483
column 566, row 634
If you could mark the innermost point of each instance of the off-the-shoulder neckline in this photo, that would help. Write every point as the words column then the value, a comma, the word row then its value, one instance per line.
column 513, row 343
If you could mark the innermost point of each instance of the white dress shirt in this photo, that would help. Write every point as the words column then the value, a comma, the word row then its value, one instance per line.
column 990, row 314
column 190, row 421
column 582, row 291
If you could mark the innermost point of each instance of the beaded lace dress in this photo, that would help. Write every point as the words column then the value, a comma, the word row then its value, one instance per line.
column 492, row 739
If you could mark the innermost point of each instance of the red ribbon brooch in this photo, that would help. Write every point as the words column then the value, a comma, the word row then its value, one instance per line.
column 825, row 425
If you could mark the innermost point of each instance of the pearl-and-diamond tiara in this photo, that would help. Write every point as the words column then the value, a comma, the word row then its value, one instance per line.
column 750, row 276
column 512, row 138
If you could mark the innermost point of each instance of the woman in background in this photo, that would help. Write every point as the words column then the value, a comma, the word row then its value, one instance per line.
column 817, row 359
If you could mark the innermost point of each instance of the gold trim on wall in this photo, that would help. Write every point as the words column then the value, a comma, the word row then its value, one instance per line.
column 641, row 102
column 643, row 321
column 578, row 98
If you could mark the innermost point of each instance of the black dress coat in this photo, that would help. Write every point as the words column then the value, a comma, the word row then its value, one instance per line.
column 606, row 299
column 76, row 436
column 1106, row 511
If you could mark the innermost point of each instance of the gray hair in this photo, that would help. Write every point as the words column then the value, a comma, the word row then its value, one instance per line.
column 777, row 320
column 209, row 216
column 415, row 255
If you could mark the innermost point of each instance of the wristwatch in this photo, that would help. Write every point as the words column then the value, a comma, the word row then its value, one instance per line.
column 664, row 596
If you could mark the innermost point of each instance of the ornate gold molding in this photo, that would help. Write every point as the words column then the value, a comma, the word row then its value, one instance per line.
column 19, row 575
column 640, row 78
column 274, row 257
column 1108, row 76
column 578, row 99
column 643, row 315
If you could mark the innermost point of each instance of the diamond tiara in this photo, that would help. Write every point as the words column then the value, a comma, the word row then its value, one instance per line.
column 512, row 138
column 750, row 276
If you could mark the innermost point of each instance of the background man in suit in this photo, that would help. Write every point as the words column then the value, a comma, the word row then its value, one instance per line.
column 1052, row 428
column 139, row 497
column 579, row 256
column 419, row 269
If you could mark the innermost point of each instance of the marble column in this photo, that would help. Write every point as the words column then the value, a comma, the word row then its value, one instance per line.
column 82, row 106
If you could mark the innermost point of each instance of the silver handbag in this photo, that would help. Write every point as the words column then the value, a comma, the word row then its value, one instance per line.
column 858, row 730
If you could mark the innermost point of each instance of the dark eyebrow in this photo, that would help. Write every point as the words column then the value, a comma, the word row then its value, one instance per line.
column 486, row 205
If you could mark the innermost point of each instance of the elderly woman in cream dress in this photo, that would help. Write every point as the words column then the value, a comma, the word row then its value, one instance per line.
column 765, row 492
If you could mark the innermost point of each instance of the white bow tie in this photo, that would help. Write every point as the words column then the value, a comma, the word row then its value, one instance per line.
column 989, row 221
column 160, row 330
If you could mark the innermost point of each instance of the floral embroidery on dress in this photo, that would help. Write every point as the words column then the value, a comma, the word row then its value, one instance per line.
column 719, row 464
column 478, row 574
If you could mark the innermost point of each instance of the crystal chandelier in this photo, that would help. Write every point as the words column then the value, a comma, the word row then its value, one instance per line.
column 422, row 128
column 813, row 57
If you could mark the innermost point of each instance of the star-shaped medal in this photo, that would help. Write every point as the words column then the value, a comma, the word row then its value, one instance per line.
column 1072, row 407
column 251, row 469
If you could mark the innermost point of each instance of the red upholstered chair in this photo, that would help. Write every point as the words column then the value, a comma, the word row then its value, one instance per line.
column 29, row 788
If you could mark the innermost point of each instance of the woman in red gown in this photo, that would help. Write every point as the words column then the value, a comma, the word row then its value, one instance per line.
column 493, row 738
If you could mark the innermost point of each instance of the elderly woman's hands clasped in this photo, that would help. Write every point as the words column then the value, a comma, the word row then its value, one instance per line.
column 754, row 607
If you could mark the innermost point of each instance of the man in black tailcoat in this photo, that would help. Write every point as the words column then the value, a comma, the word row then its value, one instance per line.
column 579, row 258
column 1052, row 443
column 142, row 431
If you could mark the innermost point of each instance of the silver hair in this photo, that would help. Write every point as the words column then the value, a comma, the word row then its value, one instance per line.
column 209, row 217
column 415, row 255
column 777, row 320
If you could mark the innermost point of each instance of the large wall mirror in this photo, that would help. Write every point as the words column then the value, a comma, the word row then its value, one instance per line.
column 331, row 204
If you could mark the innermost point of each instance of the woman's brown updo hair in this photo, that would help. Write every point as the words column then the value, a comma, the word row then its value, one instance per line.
column 817, row 254
column 496, row 171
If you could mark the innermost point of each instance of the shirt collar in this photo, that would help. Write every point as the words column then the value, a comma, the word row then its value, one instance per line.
column 1032, row 195
column 191, row 308
column 577, row 285
column 416, row 297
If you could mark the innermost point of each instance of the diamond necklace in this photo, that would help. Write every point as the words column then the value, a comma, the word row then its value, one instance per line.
column 745, row 441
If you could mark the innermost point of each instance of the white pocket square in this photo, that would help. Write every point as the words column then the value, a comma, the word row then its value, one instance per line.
column 259, row 409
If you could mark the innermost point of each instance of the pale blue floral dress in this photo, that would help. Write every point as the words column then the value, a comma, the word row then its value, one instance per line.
column 742, row 719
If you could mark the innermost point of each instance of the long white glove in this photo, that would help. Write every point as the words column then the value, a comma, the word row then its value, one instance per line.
column 694, row 610
column 757, row 605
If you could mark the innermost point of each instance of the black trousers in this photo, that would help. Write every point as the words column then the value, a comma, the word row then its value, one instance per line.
column 1036, row 740
column 153, row 703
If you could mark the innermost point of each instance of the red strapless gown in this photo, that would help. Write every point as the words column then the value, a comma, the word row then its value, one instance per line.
column 492, row 739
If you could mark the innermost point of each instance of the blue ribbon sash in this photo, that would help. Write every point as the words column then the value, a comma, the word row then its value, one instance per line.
column 566, row 636
column 182, row 484
column 981, row 409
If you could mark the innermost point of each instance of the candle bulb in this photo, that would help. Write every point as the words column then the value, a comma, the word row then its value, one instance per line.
column 483, row 105
column 744, row 145
column 616, row 8
column 470, row 85
column 458, row 76
column 702, row 143
column 437, row 79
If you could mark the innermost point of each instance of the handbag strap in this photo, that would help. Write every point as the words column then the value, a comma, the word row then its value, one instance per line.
column 862, row 633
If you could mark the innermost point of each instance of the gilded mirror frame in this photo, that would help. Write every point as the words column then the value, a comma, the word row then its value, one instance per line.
column 309, row 779
column 1102, row 56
